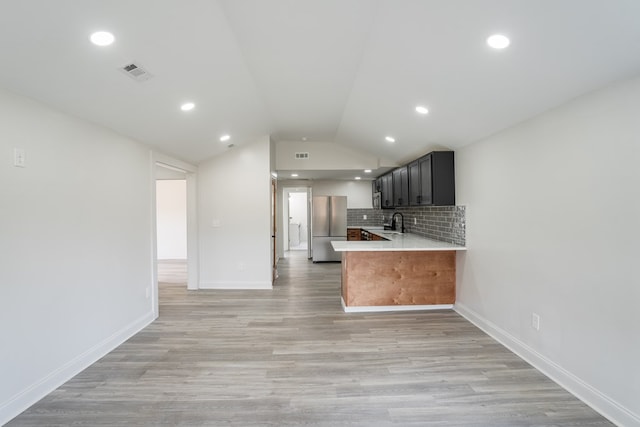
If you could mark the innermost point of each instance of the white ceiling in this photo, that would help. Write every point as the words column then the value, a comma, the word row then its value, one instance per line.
column 346, row 71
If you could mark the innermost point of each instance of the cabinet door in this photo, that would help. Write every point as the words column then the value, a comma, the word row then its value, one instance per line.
column 376, row 189
column 414, row 183
column 353, row 234
column 376, row 185
column 400, row 187
column 426, row 181
column 443, row 178
column 387, row 191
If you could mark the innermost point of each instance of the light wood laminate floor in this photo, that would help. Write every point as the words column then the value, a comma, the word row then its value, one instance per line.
column 292, row 357
column 172, row 271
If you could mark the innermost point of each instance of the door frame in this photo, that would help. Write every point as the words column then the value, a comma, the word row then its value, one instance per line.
column 274, row 228
column 193, row 256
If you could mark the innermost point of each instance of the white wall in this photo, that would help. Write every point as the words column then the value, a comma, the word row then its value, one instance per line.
column 358, row 192
column 322, row 156
column 552, row 228
column 234, row 214
column 171, row 218
column 75, row 247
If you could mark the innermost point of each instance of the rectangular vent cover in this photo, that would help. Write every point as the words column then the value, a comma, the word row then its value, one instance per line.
column 136, row 72
column 302, row 155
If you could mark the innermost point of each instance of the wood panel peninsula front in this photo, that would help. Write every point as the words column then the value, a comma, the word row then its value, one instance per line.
column 403, row 272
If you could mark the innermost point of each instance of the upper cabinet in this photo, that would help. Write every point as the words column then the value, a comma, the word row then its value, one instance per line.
column 386, row 191
column 420, row 181
column 432, row 180
column 443, row 178
column 376, row 188
column 400, row 187
column 427, row 181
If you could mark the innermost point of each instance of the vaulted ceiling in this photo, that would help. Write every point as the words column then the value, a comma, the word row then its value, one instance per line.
column 345, row 71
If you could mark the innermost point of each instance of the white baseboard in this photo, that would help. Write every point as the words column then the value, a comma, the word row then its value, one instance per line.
column 384, row 308
column 606, row 406
column 27, row 397
column 236, row 285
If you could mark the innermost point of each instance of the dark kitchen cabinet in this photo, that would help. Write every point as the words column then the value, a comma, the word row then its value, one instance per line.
column 376, row 185
column 386, row 191
column 376, row 189
column 400, row 187
column 416, row 196
column 427, row 181
column 432, row 180
column 420, row 188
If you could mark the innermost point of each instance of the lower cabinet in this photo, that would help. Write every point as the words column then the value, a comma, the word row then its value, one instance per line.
column 390, row 278
column 376, row 237
column 353, row 234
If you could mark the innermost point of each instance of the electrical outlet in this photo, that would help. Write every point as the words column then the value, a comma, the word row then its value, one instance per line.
column 415, row 221
column 364, row 217
column 535, row 321
column 19, row 158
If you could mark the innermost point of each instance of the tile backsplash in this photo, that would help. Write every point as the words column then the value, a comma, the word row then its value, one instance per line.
column 355, row 217
column 444, row 223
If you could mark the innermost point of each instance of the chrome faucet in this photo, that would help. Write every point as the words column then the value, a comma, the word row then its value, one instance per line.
column 393, row 222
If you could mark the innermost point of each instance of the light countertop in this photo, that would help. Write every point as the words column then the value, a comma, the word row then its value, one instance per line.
column 397, row 242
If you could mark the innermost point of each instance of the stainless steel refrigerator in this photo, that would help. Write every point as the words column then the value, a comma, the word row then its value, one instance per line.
column 329, row 222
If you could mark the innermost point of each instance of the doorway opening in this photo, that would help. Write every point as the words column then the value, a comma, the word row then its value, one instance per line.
column 171, row 229
column 296, row 220
column 165, row 168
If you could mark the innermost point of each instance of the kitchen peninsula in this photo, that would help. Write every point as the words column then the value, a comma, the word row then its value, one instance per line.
column 403, row 271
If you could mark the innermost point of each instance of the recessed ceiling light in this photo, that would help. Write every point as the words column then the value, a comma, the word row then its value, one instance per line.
column 102, row 38
column 224, row 138
column 367, row 171
column 304, row 138
column 357, row 178
column 498, row 41
column 294, row 175
column 422, row 109
column 187, row 106
column 390, row 139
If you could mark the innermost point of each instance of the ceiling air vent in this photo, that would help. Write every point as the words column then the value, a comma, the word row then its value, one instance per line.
column 136, row 72
column 302, row 155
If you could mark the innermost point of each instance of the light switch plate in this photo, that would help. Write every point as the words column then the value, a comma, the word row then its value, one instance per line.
column 535, row 321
